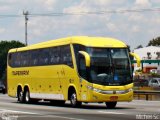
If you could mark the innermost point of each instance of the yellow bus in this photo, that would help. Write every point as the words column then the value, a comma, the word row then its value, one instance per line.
column 79, row 69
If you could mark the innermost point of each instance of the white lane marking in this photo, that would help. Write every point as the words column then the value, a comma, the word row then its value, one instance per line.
column 107, row 112
column 22, row 112
column 54, row 116
column 14, row 111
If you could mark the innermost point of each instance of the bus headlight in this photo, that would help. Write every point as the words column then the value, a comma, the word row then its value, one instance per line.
column 97, row 90
column 94, row 89
column 129, row 90
column 110, row 91
column 90, row 87
column 124, row 91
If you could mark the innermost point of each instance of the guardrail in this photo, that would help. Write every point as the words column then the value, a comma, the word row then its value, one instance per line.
column 147, row 93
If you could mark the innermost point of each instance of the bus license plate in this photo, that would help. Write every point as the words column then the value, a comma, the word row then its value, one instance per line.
column 114, row 98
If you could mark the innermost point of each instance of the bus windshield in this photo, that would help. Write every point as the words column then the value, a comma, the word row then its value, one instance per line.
column 109, row 66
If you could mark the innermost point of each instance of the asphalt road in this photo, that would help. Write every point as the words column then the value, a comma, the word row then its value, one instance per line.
column 10, row 109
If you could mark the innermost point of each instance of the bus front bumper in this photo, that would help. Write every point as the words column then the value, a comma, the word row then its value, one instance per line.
column 109, row 96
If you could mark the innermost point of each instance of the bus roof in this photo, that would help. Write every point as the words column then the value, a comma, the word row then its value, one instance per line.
column 83, row 40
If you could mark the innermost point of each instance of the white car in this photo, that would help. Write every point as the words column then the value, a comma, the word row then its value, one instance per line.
column 155, row 82
column 2, row 88
column 153, row 71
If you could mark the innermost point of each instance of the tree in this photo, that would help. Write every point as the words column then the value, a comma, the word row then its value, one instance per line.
column 139, row 46
column 4, row 48
column 154, row 42
column 129, row 48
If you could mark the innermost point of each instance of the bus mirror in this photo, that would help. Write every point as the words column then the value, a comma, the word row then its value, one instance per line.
column 137, row 58
column 87, row 57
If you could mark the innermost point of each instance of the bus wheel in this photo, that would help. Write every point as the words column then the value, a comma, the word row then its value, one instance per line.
column 111, row 105
column 20, row 96
column 26, row 96
column 73, row 99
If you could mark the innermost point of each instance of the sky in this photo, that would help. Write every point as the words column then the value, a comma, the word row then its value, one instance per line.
column 68, row 19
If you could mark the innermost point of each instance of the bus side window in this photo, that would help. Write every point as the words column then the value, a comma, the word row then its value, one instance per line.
column 13, row 60
column 43, row 56
column 24, row 59
column 10, row 59
column 34, row 58
column 66, row 56
column 17, row 60
column 82, row 66
column 54, row 56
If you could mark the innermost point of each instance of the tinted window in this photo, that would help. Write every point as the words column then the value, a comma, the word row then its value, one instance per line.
column 41, row 57
column 34, row 54
column 66, row 57
column 80, row 60
column 54, row 54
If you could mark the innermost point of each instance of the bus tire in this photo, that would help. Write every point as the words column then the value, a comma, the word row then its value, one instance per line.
column 27, row 96
column 20, row 96
column 111, row 105
column 73, row 100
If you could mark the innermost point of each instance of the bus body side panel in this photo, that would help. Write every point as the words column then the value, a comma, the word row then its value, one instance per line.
column 71, row 75
column 47, row 82
column 10, row 84
column 14, row 79
column 68, row 78
column 86, row 95
column 43, row 81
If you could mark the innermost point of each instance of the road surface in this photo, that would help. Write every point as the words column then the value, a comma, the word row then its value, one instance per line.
column 10, row 109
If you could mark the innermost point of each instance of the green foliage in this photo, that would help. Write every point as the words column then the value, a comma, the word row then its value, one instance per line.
column 139, row 70
column 155, row 75
column 4, row 48
column 139, row 46
column 154, row 42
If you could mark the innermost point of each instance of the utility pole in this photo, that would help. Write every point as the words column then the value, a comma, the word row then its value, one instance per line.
column 25, row 13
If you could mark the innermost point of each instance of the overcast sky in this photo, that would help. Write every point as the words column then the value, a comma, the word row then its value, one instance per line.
column 133, row 28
